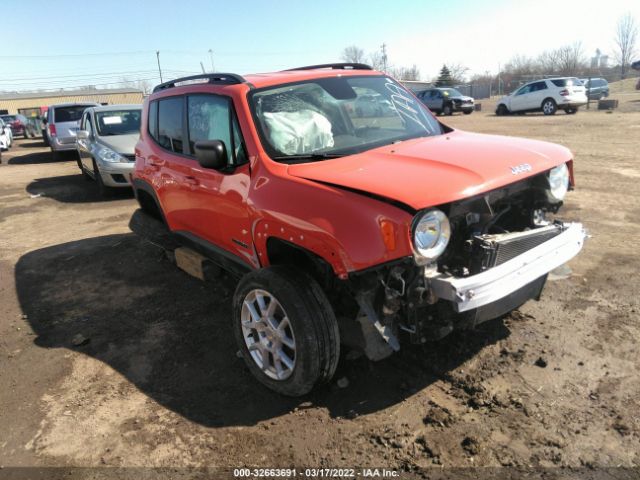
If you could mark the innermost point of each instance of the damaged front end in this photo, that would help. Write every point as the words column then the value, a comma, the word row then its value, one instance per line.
column 498, row 249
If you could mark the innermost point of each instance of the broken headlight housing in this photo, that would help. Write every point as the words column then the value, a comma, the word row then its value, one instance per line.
column 559, row 181
column 431, row 233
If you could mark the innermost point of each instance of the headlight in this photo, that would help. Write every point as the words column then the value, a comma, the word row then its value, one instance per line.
column 108, row 155
column 431, row 236
column 559, row 181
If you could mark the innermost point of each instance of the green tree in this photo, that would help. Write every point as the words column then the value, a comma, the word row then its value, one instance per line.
column 444, row 79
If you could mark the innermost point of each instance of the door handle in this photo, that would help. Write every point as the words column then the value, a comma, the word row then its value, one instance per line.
column 191, row 181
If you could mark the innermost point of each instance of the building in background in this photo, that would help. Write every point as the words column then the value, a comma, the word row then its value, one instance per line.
column 33, row 104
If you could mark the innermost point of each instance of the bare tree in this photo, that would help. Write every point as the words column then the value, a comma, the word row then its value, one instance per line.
column 458, row 72
column 376, row 60
column 548, row 61
column 353, row 54
column 625, row 40
column 571, row 59
column 411, row 73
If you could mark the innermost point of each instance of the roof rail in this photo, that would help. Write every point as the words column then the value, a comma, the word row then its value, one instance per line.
column 334, row 66
column 221, row 78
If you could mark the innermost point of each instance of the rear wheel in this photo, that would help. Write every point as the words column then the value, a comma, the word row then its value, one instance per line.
column 502, row 110
column 285, row 329
column 549, row 107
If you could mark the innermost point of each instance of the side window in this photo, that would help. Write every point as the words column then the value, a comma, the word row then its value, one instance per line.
column 170, row 124
column 87, row 124
column 539, row 86
column 524, row 90
column 153, row 120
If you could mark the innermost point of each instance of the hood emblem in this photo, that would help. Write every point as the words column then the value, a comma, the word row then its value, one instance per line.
column 524, row 167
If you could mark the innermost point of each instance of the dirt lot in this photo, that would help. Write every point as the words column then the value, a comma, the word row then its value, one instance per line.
column 158, row 383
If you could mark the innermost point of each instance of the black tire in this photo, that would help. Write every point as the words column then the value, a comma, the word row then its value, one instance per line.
column 152, row 229
column 549, row 106
column 313, row 323
column 502, row 110
column 103, row 190
column 467, row 112
column 447, row 109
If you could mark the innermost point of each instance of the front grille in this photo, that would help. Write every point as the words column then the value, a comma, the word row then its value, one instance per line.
column 498, row 249
column 131, row 158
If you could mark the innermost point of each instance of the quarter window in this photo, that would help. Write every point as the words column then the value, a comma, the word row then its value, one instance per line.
column 170, row 124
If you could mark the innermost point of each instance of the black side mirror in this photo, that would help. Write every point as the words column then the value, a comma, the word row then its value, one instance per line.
column 211, row 154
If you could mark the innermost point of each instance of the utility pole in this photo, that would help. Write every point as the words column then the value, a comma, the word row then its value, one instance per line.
column 384, row 57
column 159, row 69
column 211, row 57
column 202, row 66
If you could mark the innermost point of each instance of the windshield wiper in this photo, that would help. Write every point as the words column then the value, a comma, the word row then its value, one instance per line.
column 309, row 156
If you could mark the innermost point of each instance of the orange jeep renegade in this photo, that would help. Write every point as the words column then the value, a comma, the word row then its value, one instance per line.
column 349, row 213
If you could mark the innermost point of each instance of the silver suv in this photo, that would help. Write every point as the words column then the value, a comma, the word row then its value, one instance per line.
column 62, row 124
column 106, row 142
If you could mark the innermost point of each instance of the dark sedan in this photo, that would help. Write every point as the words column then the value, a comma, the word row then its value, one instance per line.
column 446, row 101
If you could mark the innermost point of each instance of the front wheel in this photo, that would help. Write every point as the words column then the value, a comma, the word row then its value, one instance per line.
column 502, row 110
column 549, row 107
column 285, row 329
column 103, row 190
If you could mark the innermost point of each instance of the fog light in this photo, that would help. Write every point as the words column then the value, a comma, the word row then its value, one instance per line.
column 538, row 218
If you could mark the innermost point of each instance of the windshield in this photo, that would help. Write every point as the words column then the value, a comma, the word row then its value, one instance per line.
column 451, row 92
column 8, row 118
column 330, row 117
column 118, row 122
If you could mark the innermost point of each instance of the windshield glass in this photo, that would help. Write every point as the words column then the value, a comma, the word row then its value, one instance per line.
column 118, row 122
column 8, row 118
column 337, row 116
column 451, row 92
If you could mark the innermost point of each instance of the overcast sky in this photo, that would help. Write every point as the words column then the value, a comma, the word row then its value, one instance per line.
column 69, row 43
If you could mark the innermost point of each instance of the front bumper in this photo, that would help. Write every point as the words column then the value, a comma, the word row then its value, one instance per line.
column 116, row 174
column 467, row 293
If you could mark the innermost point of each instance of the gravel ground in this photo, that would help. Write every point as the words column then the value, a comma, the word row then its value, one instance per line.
column 111, row 356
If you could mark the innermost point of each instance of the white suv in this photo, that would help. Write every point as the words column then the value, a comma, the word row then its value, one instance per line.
column 546, row 95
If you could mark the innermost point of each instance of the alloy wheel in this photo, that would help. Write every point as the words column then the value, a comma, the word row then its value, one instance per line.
column 268, row 334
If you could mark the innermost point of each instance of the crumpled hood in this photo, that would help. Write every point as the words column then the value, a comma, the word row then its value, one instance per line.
column 432, row 171
column 124, row 144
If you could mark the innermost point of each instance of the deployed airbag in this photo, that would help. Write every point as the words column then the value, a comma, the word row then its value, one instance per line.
column 300, row 132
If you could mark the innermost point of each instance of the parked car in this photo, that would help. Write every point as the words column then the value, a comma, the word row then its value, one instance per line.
column 368, row 233
column 6, row 135
column 372, row 105
column 20, row 125
column 62, row 124
column 597, row 88
column 105, row 144
column 446, row 101
column 547, row 95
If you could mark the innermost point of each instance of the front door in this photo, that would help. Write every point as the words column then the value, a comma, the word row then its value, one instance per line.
column 218, row 198
column 521, row 99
